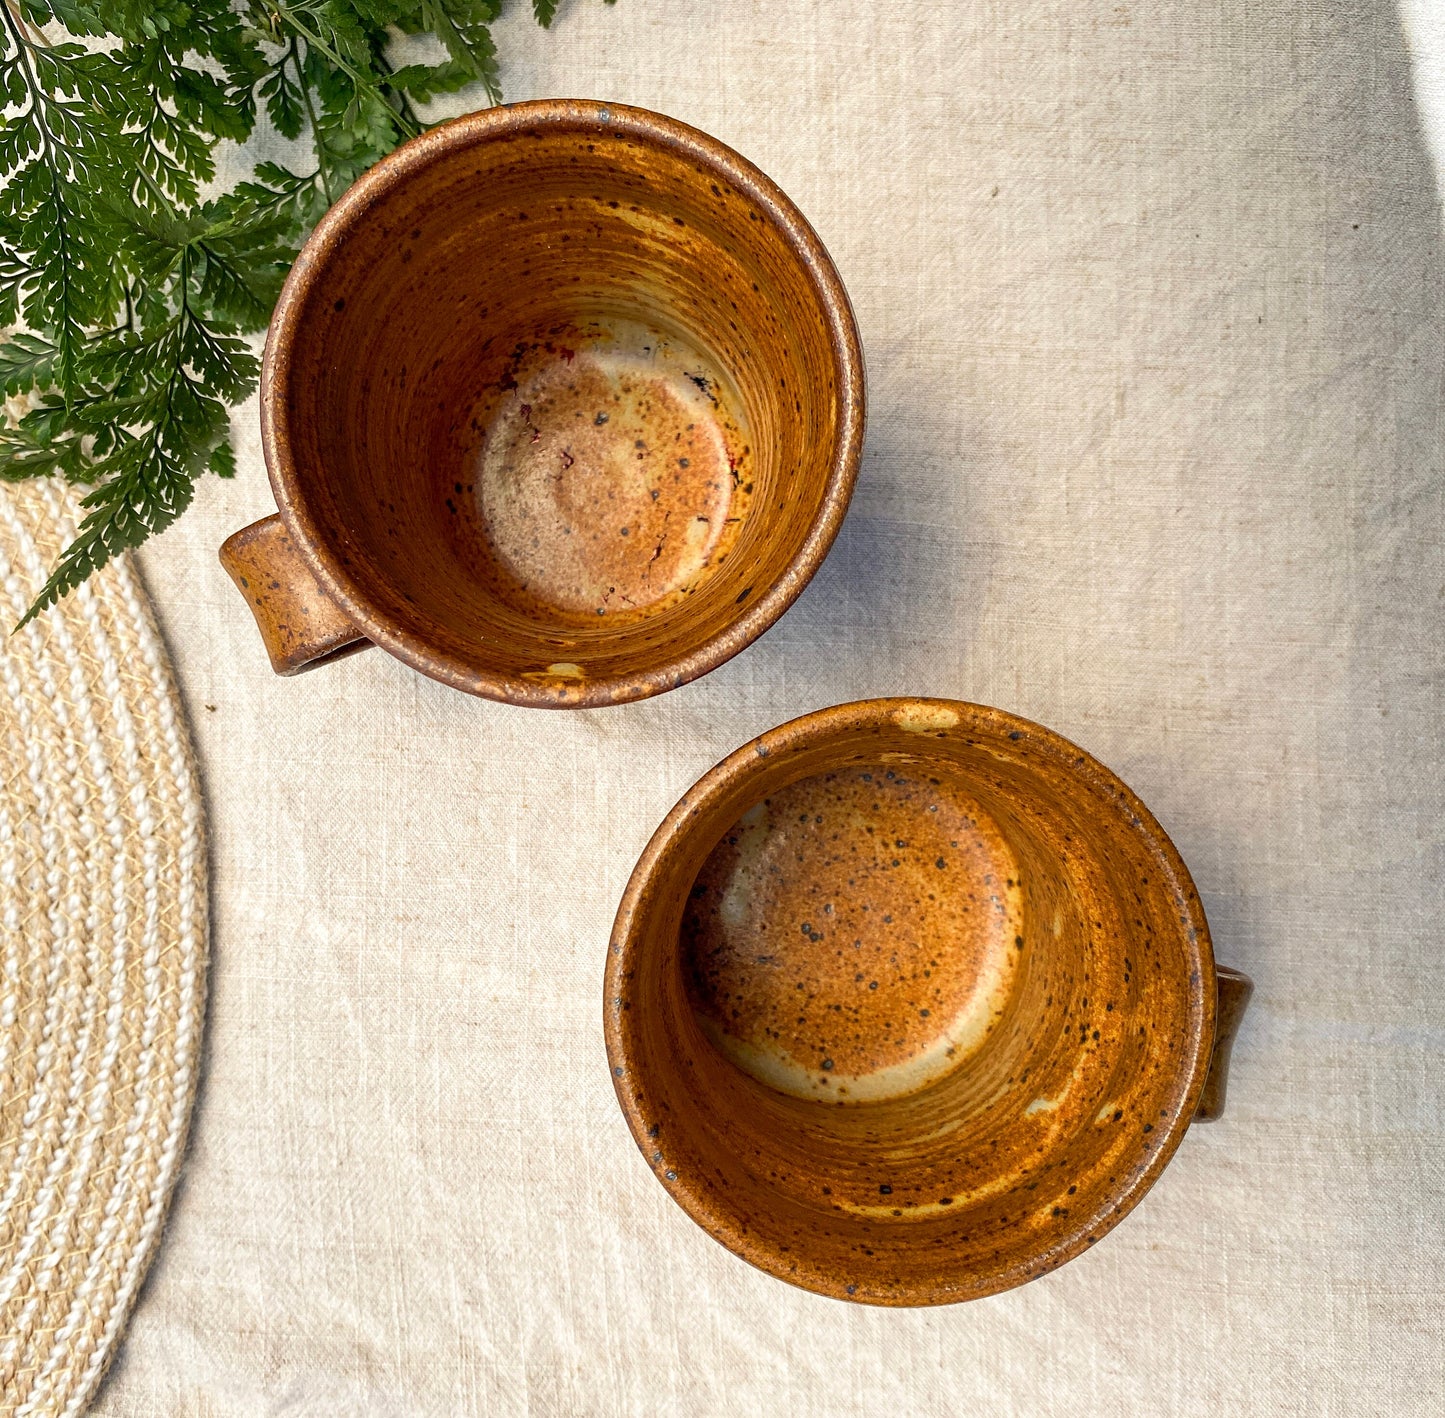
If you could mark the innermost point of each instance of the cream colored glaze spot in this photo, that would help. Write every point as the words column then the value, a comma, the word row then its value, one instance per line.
column 925, row 718
column 563, row 669
column 734, row 905
column 1000, row 1184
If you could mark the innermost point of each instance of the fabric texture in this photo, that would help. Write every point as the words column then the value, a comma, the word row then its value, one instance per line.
column 1154, row 314
column 102, row 981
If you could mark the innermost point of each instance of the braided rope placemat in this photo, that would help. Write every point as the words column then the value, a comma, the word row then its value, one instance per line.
column 102, row 956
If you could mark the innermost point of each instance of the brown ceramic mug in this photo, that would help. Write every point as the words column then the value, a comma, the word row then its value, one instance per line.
column 911, row 1001
column 562, row 404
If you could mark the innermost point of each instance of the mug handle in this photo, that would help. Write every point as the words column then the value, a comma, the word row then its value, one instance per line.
column 1235, row 989
column 300, row 625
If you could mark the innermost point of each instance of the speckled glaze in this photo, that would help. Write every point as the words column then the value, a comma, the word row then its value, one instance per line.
column 910, row 1001
column 300, row 624
column 853, row 935
column 562, row 405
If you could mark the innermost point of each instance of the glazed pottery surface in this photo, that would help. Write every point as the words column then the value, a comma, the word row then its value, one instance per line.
column 910, row 1001
column 562, row 405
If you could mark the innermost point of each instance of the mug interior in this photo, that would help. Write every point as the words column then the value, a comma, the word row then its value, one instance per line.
column 562, row 395
column 909, row 1001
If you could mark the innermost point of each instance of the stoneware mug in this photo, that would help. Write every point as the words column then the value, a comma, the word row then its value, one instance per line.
column 911, row 1001
column 562, row 404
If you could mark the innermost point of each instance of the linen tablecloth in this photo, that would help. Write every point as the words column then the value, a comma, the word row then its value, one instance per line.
column 1153, row 306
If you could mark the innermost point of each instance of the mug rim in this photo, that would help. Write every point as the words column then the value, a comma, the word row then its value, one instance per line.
column 665, row 133
column 840, row 722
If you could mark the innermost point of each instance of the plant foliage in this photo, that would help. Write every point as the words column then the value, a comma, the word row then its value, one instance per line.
column 134, row 288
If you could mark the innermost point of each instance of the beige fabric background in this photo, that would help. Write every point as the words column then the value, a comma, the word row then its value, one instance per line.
column 1153, row 303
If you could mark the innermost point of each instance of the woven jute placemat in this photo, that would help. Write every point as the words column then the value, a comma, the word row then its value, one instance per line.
column 102, row 957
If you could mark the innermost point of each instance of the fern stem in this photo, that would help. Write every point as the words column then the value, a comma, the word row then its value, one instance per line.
column 360, row 80
column 37, row 39
column 405, row 103
column 317, row 140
